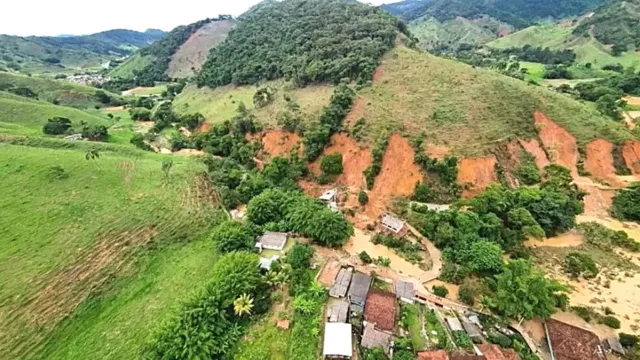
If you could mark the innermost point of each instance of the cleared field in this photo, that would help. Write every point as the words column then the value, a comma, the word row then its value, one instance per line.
column 94, row 253
column 535, row 71
column 467, row 109
column 155, row 90
column 220, row 104
column 134, row 62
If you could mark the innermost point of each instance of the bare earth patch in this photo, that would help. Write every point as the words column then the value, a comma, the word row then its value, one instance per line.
column 559, row 143
column 631, row 155
column 281, row 143
column 570, row 239
column 355, row 160
column 599, row 160
column 475, row 174
column 632, row 100
column 357, row 111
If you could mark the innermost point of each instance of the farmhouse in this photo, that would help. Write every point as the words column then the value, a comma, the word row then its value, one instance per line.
column 392, row 223
column 341, row 284
column 358, row 291
column 568, row 342
column 337, row 341
column 405, row 291
column 272, row 241
column 381, row 310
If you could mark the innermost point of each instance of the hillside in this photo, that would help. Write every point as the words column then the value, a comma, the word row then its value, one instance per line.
column 433, row 33
column 614, row 23
column 67, row 54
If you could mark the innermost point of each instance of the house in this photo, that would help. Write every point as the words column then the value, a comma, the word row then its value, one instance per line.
column 392, row 223
column 272, row 241
column 265, row 263
column 487, row 352
column 372, row 338
column 433, row 355
column 613, row 345
column 405, row 291
column 472, row 330
column 338, row 311
column 341, row 284
column 568, row 342
column 454, row 323
column 337, row 341
column 495, row 352
column 329, row 196
column 358, row 291
column 381, row 309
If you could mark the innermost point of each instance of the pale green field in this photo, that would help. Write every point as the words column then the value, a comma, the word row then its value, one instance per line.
column 134, row 62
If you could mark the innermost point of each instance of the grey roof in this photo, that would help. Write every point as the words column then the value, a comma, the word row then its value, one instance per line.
column 338, row 311
column 454, row 323
column 341, row 283
column 372, row 338
column 471, row 329
column 392, row 222
column 273, row 240
column 405, row 289
column 615, row 345
column 359, row 288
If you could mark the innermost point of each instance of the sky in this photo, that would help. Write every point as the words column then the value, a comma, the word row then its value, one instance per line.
column 81, row 17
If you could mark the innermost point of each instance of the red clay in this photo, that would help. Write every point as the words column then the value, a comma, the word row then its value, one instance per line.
column 475, row 174
column 357, row 111
column 281, row 143
column 599, row 160
column 204, row 127
column 560, row 144
column 436, row 151
column 398, row 177
column 598, row 201
column 533, row 147
column 631, row 155
column 355, row 159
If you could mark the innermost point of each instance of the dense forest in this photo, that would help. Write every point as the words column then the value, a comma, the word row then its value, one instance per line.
column 519, row 13
column 616, row 23
column 306, row 41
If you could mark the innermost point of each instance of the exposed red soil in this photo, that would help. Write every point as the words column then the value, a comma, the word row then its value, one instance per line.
column 533, row 147
column 599, row 160
column 398, row 177
column 598, row 201
column 436, row 151
column 377, row 75
column 281, row 143
column 566, row 24
column 475, row 174
column 204, row 127
column 560, row 144
column 355, row 159
column 357, row 111
column 509, row 158
column 631, row 155
column 504, row 32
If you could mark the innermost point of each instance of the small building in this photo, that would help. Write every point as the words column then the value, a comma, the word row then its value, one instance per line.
column 341, row 284
column 329, row 196
column 74, row 137
column 474, row 319
column 392, row 223
column 381, row 310
column 338, row 311
column 568, row 342
column 272, row 241
column 358, row 291
column 613, row 345
column 373, row 338
column 454, row 324
column 405, row 291
column 338, row 342
column 265, row 263
column 472, row 330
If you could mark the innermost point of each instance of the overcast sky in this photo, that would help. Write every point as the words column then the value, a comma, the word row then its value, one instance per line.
column 80, row 17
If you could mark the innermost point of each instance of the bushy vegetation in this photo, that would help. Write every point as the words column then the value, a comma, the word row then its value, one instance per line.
column 57, row 126
column 440, row 291
column 441, row 185
column 401, row 245
column 284, row 39
column 540, row 55
column 629, row 340
column 233, row 236
column 626, row 203
column 363, row 198
column 606, row 239
column 577, row 264
column 331, row 164
column 610, row 321
column 461, row 339
column 613, row 23
column 377, row 152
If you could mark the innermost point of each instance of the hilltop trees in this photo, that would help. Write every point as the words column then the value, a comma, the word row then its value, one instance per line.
column 232, row 236
column 57, row 126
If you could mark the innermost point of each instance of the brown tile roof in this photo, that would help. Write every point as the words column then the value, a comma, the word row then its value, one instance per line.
column 381, row 309
column 433, row 355
column 573, row 343
column 495, row 352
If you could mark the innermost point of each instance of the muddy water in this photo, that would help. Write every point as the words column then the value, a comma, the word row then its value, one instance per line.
column 453, row 289
column 570, row 239
column 632, row 229
column 362, row 242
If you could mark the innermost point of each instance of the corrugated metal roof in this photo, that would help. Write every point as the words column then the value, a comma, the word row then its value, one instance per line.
column 337, row 339
column 405, row 289
column 341, row 284
column 359, row 288
column 392, row 222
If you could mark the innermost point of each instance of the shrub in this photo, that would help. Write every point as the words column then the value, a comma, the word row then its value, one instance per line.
column 365, row 258
column 577, row 264
column 95, row 132
column 233, row 236
column 138, row 141
column 363, row 198
column 422, row 193
column 582, row 311
column 57, row 126
column 57, row 172
column 454, row 273
column 299, row 256
column 610, row 321
column 372, row 171
column 383, row 261
column 331, row 164
column 626, row 203
column 466, row 294
column 628, row 340
column 528, row 174
column 140, row 114
column 440, row 291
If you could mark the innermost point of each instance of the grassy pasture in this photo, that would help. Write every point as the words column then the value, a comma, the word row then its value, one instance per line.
column 93, row 254
column 134, row 62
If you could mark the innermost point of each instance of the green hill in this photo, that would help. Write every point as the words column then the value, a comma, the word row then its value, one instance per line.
column 48, row 89
column 433, row 33
column 614, row 23
column 41, row 54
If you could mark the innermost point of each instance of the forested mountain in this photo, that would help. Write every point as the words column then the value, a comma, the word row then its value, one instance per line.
column 616, row 22
column 56, row 53
column 307, row 41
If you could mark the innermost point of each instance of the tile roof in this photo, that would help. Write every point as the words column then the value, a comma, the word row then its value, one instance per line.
column 433, row 355
column 495, row 352
column 573, row 343
column 381, row 309
column 372, row 338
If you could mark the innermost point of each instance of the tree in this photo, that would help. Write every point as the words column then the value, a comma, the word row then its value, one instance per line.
column 440, row 291
column 523, row 292
column 365, row 258
column 95, row 132
column 233, row 236
column 608, row 105
column 618, row 49
column 167, row 164
column 577, row 264
column 57, row 126
column 485, row 257
column 269, row 206
column 299, row 256
column 422, row 193
column 626, row 203
column 92, row 154
column 629, row 340
column 331, row 164
column 243, row 305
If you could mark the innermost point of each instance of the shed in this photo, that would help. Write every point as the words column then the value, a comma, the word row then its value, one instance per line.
column 359, row 290
column 337, row 340
column 265, row 263
column 392, row 223
column 472, row 330
column 454, row 323
column 372, row 338
column 329, row 196
column 405, row 291
column 272, row 241
column 341, row 284
column 614, row 345
column 338, row 311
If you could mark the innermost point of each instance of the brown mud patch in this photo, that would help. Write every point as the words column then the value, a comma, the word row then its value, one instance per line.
column 569, row 239
column 598, row 200
column 599, row 160
column 475, row 174
column 632, row 100
column 436, row 151
column 357, row 111
column 204, row 127
column 559, row 143
column 631, row 155
column 398, row 176
column 355, row 159
column 281, row 143
column 533, row 147
column 632, row 229
column 114, row 108
column 630, row 117
column 453, row 289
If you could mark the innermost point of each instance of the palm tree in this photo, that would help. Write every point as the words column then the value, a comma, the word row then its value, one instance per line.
column 243, row 305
